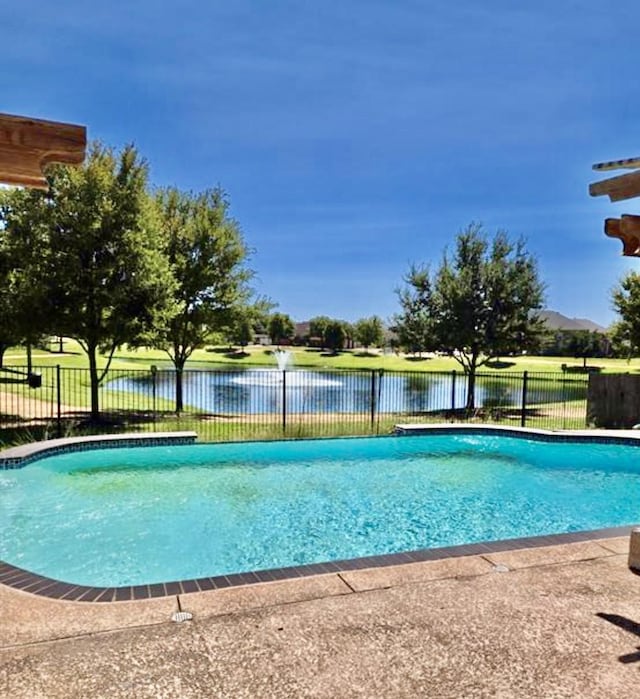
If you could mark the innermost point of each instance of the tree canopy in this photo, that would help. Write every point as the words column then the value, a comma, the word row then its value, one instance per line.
column 318, row 327
column 206, row 254
column 335, row 335
column 281, row 328
column 11, row 311
column 414, row 325
column 25, row 308
column 480, row 304
column 93, row 261
column 369, row 332
column 626, row 301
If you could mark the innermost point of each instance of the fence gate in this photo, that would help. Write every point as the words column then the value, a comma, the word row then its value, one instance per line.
column 613, row 400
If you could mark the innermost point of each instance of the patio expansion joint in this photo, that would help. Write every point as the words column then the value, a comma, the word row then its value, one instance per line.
column 610, row 550
column 494, row 560
column 81, row 635
column 258, row 606
column 346, row 582
column 485, row 557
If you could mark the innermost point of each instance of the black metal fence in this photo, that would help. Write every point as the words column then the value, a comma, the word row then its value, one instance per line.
column 260, row 403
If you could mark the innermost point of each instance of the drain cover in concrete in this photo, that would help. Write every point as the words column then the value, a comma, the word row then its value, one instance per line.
column 181, row 616
column 500, row 568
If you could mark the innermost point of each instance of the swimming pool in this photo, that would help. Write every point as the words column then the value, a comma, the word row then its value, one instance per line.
column 144, row 515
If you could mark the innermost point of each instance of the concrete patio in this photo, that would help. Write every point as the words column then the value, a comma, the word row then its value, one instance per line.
column 559, row 621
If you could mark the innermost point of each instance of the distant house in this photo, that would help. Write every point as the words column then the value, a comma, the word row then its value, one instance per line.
column 302, row 328
column 301, row 333
column 262, row 339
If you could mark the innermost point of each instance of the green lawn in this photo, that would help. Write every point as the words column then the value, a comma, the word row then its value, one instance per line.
column 303, row 357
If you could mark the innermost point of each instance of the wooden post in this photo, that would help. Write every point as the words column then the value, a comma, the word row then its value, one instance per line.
column 634, row 551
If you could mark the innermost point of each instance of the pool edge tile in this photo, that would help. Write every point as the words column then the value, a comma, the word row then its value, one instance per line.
column 31, row 583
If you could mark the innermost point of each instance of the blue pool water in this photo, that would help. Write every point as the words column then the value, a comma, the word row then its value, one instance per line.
column 151, row 514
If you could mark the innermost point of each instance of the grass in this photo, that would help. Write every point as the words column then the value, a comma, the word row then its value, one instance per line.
column 267, row 427
column 305, row 357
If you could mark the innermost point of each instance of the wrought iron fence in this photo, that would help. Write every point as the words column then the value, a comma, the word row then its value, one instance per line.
column 260, row 403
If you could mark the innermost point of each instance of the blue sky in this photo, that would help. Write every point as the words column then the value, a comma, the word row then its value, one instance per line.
column 356, row 137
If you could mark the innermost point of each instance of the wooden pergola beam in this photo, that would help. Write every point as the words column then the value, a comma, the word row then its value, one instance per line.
column 627, row 229
column 624, row 164
column 28, row 145
column 618, row 188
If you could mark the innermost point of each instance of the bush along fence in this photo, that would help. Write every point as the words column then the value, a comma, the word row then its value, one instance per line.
column 259, row 403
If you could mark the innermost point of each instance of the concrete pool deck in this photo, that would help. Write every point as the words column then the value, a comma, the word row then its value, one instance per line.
column 555, row 621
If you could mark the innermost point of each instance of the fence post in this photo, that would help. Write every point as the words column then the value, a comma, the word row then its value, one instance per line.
column 523, row 413
column 453, row 393
column 373, row 398
column 154, row 372
column 59, row 403
column 284, row 401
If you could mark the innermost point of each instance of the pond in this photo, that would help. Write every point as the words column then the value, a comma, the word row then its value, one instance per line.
column 268, row 391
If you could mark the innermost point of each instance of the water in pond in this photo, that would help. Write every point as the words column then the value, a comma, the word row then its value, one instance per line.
column 259, row 391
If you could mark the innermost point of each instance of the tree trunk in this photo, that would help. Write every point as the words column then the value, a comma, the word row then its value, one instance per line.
column 93, row 377
column 29, row 359
column 471, row 390
column 179, row 398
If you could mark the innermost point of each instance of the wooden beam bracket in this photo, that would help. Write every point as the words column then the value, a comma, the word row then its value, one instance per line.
column 626, row 229
column 28, row 145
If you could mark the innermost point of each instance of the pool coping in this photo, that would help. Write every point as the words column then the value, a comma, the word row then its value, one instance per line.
column 17, row 457
column 587, row 435
column 26, row 581
column 43, row 586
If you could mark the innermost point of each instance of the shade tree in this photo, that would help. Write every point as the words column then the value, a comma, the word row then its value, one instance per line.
column 625, row 299
column 24, row 315
column 481, row 303
column 281, row 328
column 206, row 253
column 335, row 335
column 318, row 327
column 100, row 275
column 369, row 332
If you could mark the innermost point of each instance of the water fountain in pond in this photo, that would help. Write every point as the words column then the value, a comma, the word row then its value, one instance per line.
column 284, row 359
column 284, row 364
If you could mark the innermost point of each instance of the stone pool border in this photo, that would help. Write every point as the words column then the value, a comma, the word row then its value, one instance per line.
column 17, row 457
column 23, row 580
column 630, row 437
